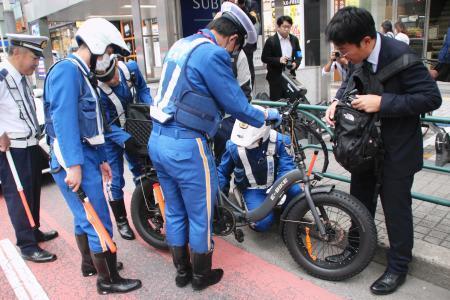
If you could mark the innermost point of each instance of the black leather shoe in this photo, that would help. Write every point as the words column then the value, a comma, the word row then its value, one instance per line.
column 387, row 283
column 45, row 236
column 39, row 256
column 347, row 254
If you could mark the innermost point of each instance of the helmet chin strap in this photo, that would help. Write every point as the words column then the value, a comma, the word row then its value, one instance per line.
column 93, row 65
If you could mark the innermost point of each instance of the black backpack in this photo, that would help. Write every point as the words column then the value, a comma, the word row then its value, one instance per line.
column 357, row 142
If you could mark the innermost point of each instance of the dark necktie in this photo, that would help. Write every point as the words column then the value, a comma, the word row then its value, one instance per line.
column 30, row 106
column 368, row 66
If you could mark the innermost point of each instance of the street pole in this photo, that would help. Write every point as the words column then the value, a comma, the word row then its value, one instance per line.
column 8, row 17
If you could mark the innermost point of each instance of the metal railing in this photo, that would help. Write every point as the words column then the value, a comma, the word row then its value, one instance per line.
column 305, row 110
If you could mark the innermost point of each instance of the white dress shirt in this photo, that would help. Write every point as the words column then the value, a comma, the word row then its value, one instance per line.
column 335, row 65
column 402, row 37
column 286, row 46
column 10, row 121
column 374, row 55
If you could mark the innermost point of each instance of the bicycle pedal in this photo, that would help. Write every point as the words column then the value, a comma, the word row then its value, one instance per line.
column 239, row 235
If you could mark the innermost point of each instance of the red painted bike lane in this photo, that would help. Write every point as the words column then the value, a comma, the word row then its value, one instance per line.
column 246, row 275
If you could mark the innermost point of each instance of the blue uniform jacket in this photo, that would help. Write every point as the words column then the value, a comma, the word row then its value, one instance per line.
column 231, row 162
column 210, row 73
column 117, row 134
column 70, row 104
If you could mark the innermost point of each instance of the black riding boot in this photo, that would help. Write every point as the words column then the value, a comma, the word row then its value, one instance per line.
column 120, row 214
column 203, row 276
column 180, row 256
column 87, row 266
column 109, row 280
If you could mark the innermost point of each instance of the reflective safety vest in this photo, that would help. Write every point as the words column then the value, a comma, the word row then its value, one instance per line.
column 27, row 109
column 89, row 114
column 270, row 159
column 114, row 98
column 176, row 99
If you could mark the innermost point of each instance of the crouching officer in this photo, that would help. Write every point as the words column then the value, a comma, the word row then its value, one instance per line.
column 74, row 125
column 120, row 85
column 257, row 157
column 197, row 85
column 19, row 134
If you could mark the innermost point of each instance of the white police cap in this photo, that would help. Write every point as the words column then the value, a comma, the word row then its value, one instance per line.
column 236, row 15
column 34, row 43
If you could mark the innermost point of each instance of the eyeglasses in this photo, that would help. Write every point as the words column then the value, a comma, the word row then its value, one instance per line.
column 288, row 27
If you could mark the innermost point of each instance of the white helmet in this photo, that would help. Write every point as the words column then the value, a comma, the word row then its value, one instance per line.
column 245, row 135
column 98, row 34
column 238, row 17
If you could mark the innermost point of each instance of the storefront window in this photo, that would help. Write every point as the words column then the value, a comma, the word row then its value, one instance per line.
column 380, row 10
column 412, row 14
column 292, row 8
column 62, row 37
column 438, row 26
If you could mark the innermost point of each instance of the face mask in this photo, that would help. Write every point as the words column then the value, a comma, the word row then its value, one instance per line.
column 103, row 64
column 233, row 52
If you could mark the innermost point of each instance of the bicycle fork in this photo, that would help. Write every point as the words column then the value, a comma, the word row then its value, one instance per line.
column 310, row 202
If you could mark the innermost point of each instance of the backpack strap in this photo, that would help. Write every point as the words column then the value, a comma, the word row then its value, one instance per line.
column 400, row 64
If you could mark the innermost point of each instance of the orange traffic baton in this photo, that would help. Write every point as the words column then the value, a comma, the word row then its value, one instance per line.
column 91, row 214
column 19, row 186
column 93, row 218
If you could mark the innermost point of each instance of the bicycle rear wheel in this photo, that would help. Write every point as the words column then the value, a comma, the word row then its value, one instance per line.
column 146, row 216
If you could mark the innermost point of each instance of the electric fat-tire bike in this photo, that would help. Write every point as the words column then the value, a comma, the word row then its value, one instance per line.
column 318, row 223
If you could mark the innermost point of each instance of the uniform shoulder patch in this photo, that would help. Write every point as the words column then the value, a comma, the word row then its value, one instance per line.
column 3, row 74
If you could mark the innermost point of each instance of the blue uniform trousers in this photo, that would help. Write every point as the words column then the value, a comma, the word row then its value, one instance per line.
column 27, row 162
column 93, row 187
column 188, row 178
column 255, row 197
column 114, row 154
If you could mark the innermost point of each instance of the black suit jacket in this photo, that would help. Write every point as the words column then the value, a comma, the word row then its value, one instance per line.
column 272, row 53
column 406, row 95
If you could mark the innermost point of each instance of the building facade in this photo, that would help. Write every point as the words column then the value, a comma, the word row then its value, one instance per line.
column 150, row 27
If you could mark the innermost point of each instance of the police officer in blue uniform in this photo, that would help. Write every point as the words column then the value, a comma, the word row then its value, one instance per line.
column 75, row 128
column 120, row 85
column 19, row 134
column 196, row 86
column 257, row 157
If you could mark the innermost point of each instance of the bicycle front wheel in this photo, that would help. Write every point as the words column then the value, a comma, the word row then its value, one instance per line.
column 350, row 241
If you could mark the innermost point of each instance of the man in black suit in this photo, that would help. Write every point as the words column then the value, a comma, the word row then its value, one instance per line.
column 407, row 95
column 278, row 50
